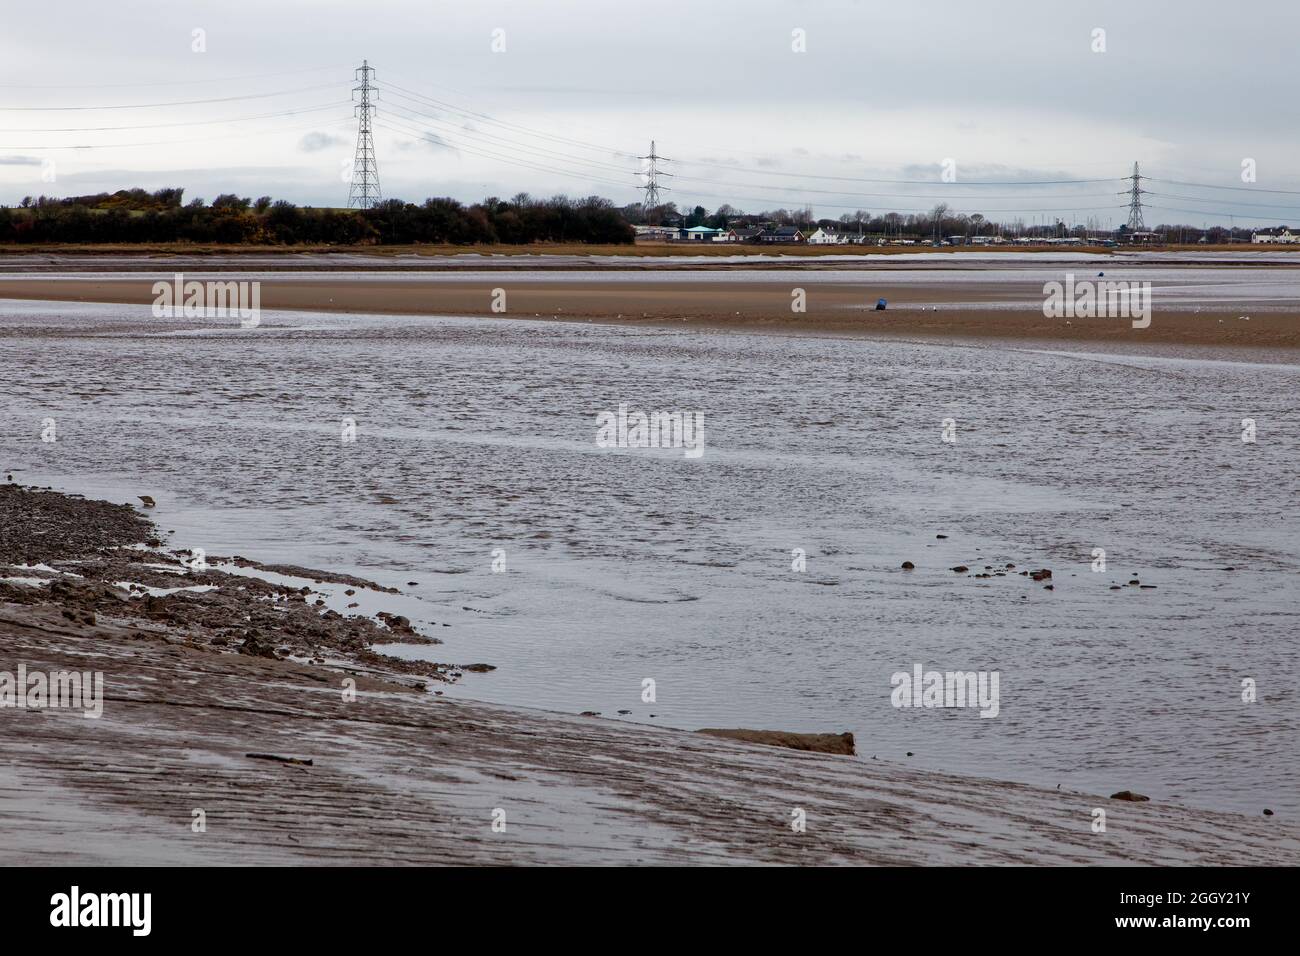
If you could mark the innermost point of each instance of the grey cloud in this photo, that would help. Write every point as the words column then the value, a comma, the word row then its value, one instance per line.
column 315, row 142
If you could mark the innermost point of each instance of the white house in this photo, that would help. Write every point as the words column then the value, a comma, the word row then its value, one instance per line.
column 1282, row 234
column 824, row 237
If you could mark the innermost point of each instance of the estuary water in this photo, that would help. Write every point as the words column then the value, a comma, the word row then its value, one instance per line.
column 760, row 584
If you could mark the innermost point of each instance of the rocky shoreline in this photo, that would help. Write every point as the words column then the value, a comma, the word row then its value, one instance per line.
column 78, row 547
column 244, row 723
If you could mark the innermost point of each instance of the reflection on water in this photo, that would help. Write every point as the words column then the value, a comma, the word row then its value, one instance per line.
column 626, row 564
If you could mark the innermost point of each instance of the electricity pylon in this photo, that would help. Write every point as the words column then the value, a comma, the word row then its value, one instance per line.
column 652, row 174
column 364, row 192
column 1135, row 221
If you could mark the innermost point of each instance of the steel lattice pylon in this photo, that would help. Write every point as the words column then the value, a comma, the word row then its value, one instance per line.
column 1135, row 221
column 652, row 174
column 364, row 192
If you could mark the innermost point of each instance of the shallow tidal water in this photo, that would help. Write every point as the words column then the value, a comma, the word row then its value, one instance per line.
column 622, row 565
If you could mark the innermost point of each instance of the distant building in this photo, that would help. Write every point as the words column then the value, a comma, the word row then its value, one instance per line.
column 782, row 234
column 1282, row 234
column 745, row 234
column 824, row 237
column 656, row 232
column 701, row 234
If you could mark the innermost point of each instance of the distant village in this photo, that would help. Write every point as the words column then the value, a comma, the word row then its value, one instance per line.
column 824, row 234
column 774, row 234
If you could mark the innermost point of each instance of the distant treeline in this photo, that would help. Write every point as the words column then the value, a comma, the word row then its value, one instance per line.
column 138, row 216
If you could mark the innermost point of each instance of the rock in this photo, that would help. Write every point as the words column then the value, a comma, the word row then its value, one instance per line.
column 1042, row 574
column 590, row 713
column 628, row 712
column 961, row 569
column 1130, row 796
column 1049, row 587
column 478, row 668
column 908, row 566
column 254, row 648
column 817, row 743
column 412, row 584
column 1135, row 581
column 941, row 536
column 1268, row 812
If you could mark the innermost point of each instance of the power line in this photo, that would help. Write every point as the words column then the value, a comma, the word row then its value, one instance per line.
column 438, row 138
column 142, row 106
column 182, row 142
column 582, row 161
column 168, row 83
column 1244, row 189
column 899, row 182
column 440, row 104
column 424, row 134
column 513, row 144
column 1236, row 204
column 449, row 107
column 233, row 119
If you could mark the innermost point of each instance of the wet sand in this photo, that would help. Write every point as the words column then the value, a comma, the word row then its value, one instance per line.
column 921, row 308
column 400, row 775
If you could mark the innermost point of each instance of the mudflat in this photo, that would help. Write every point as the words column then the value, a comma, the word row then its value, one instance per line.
column 370, row 766
column 928, row 304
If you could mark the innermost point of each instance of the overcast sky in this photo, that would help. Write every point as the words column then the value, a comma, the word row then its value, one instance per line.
column 1006, row 89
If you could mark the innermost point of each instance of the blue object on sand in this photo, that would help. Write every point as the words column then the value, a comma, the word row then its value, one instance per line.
column 880, row 305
